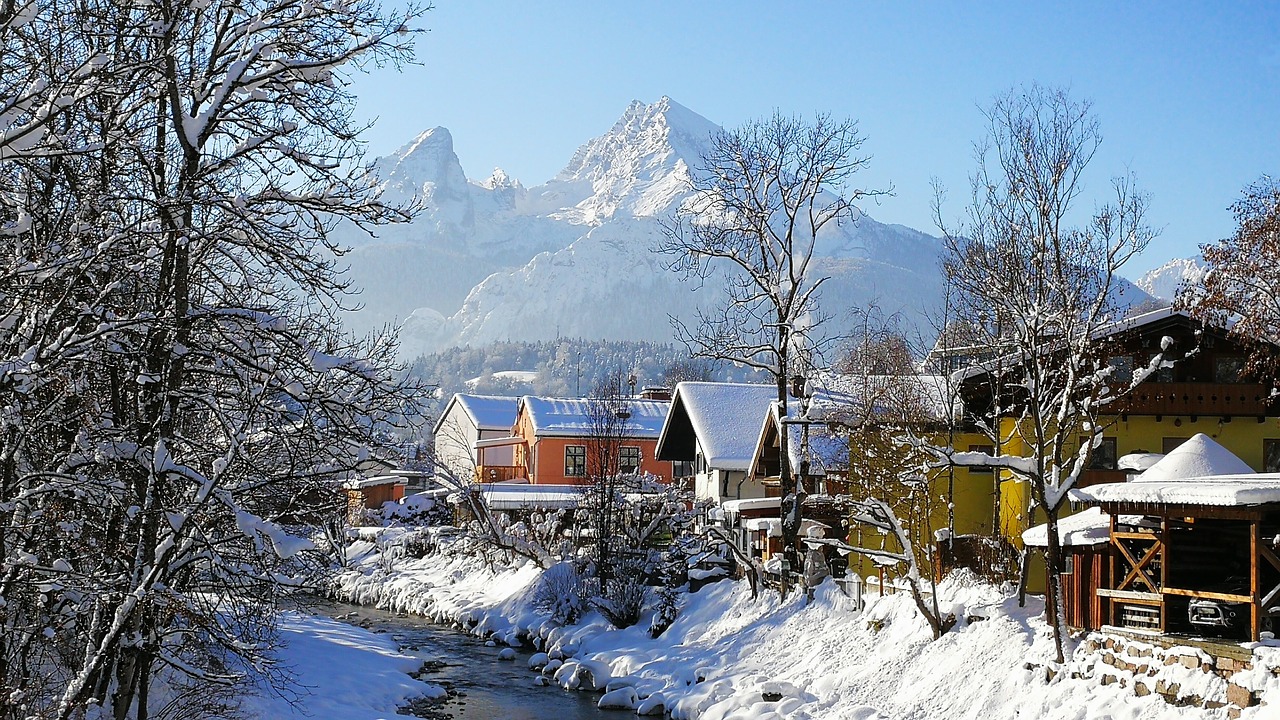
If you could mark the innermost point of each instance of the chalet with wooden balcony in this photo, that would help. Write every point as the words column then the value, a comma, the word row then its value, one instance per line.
column 1201, row 388
column 1204, row 390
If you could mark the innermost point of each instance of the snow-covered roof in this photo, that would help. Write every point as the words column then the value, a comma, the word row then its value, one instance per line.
column 1197, row 472
column 725, row 418
column 773, row 527
column 368, row 482
column 487, row 412
column 500, row 496
column 1138, row 461
column 1124, row 324
column 572, row 417
column 1200, row 456
column 875, row 397
column 1090, row 527
column 497, row 442
column 764, row 503
column 1218, row 490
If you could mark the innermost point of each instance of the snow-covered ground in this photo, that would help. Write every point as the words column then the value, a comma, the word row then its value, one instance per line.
column 727, row 653
column 340, row 672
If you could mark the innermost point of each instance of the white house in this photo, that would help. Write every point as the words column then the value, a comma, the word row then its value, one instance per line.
column 467, row 420
column 711, row 432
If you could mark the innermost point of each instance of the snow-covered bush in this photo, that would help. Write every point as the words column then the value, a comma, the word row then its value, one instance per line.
column 420, row 509
column 623, row 602
column 673, row 574
column 561, row 593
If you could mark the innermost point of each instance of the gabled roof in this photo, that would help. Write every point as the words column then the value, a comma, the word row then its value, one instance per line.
column 571, row 417
column 487, row 412
column 1117, row 327
column 722, row 418
column 828, row 449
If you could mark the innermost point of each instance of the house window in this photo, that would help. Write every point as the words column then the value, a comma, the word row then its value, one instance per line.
column 1271, row 456
column 1227, row 369
column 1121, row 369
column 1104, row 455
column 628, row 459
column 1069, row 565
column 575, row 460
column 988, row 449
column 1169, row 444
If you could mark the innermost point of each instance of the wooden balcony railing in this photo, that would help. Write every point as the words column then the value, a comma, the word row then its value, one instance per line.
column 500, row 473
column 1186, row 398
column 1089, row 478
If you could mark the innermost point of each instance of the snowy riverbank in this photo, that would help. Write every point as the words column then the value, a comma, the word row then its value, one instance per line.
column 338, row 672
column 727, row 653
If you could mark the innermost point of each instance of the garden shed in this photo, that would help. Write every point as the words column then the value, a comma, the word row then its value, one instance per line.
column 1192, row 555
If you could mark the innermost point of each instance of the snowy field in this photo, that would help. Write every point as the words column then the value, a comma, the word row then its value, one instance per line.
column 729, row 656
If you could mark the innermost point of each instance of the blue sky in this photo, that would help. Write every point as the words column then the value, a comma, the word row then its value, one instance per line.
column 1186, row 93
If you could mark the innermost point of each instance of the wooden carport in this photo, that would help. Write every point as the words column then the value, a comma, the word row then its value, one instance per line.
column 1175, row 544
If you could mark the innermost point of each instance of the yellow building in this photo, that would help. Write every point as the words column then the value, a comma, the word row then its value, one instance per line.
column 1205, row 390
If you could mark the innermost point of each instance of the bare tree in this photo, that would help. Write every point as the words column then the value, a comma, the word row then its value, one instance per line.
column 1241, row 285
column 608, row 413
column 169, row 355
column 1038, row 290
column 764, row 195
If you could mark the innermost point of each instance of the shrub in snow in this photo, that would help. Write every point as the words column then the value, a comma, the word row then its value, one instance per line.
column 561, row 594
column 623, row 602
column 674, row 573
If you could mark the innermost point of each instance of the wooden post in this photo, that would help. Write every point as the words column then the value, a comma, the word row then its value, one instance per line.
column 1111, row 575
column 1023, row 566
column 1163, row 558
column 1255, row 615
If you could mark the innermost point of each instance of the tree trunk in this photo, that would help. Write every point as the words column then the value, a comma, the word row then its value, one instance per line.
column 1053, row 593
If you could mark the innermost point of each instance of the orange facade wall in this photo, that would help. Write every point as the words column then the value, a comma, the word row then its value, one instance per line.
column 543, row 457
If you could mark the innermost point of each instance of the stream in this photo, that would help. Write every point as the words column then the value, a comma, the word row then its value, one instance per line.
column 481, row 687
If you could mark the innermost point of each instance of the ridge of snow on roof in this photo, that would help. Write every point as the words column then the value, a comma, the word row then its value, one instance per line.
column 1219, row 490
column 1197, row 472
column 1198, row 457
column 726, row 419
column 571, row 417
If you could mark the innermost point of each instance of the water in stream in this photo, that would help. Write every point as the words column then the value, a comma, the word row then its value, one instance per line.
column 481, row 686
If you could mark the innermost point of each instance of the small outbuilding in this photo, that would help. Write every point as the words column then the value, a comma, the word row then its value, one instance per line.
column 1193, row 554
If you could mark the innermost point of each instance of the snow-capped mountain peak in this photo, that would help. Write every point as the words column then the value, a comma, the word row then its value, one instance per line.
column 640, row 167
column 1165, row 281
column 425, row 166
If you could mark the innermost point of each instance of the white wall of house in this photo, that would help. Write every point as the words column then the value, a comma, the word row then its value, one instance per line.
column 720, row 484
column 455, row 440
